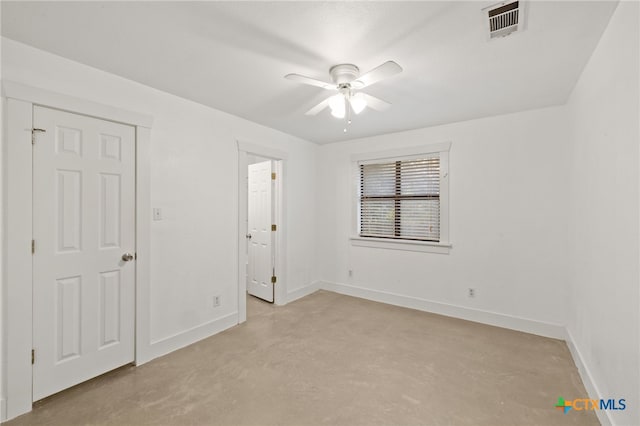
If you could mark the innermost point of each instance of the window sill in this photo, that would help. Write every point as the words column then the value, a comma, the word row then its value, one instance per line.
column 407, row 245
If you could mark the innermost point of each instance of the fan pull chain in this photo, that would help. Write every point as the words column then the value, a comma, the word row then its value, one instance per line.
column 348, row 115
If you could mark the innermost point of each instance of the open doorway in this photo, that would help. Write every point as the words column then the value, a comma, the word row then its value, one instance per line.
column 260, row 223
column 261, row 276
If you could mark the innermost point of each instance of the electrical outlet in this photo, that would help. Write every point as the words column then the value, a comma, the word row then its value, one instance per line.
column 157, row 213
column 472, row 292
column 216, row 301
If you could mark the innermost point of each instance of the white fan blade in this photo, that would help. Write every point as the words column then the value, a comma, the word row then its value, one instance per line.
column 310, row 81
column 385, row 70
column 376, row 103
column 316, row 109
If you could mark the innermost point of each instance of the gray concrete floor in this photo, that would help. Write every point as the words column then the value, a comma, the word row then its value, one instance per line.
column 329, row 359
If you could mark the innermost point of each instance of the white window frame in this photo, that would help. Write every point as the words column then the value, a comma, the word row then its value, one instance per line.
column 444, row 245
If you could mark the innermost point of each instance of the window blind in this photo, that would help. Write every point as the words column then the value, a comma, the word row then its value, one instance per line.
column 401, row 199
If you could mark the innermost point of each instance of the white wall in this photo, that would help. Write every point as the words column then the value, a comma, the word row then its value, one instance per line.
column 195, row 181
column 2, row 238
column 604, row 323
column 508, row 189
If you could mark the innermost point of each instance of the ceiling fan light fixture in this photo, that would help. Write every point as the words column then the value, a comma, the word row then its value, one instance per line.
column 337, row 105
column 338, row 113
column 358, row 103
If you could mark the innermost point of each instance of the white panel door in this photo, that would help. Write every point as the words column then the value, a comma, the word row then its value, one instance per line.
column 83, row 224
column 260, row 268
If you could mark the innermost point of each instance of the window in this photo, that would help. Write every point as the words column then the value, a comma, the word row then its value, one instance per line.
column 401, row 199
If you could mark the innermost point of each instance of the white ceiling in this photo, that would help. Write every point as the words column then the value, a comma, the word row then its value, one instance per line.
column 233, row 55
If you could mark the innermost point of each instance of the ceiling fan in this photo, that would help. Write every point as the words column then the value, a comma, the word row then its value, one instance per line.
column 346, row 80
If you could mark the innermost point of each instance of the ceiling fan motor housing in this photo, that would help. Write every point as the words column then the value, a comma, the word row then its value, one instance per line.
column 344, row 73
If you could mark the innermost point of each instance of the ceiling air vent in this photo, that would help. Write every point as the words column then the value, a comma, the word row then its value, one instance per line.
column 504, row 18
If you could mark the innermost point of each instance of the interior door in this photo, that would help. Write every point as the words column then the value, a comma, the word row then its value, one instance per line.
column 84, row 240
column 260, row 267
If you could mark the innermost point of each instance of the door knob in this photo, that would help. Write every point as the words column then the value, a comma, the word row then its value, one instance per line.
column 248, row 236
column 127, row 257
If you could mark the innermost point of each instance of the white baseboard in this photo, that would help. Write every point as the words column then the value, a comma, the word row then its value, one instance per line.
column 604, row 416
column 303, row 291
column 526, row 325
column 177, row 341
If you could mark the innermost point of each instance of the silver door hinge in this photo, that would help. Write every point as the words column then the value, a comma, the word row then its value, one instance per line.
column 33, row 356
column 33, row 134
column 33, row 246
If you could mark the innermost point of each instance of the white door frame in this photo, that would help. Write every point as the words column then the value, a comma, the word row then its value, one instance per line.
column 18, row 217
column 280, row 157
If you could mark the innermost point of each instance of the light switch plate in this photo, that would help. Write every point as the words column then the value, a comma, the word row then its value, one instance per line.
column 157, row 213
